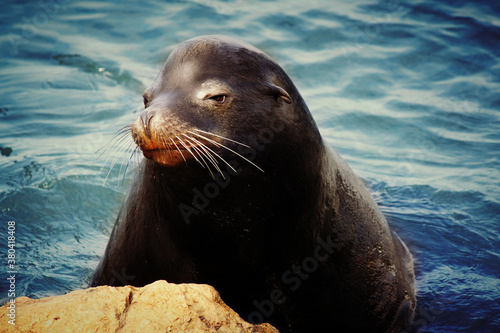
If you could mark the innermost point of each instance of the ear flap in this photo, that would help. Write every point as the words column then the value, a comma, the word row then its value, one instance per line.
column 280, row 92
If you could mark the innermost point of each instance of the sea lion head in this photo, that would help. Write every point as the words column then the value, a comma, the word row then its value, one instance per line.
column 211, row 96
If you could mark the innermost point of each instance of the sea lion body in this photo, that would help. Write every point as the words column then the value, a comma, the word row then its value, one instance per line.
column 239, row 191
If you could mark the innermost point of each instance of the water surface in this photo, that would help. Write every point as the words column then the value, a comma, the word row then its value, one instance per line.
column 406, row 91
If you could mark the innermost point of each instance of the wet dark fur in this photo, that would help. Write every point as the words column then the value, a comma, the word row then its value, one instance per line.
column 263, row 223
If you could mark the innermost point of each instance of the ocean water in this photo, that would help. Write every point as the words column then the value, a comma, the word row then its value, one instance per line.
column 408, row 92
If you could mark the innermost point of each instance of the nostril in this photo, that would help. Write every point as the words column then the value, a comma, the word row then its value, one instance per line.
column 146, row 117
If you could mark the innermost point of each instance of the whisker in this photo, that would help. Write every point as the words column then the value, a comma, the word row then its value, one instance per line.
column 220, row 157
column 202, row 159
column 125, row 159
column 121, row 149
column 118, row 143
column 137, row 156
column 123, row 130
column 166, row 147
column 128, row 162
column 188, row 149
column 213, row 152
column 178, row 150
column 214, row 161
column 219, row 136
column 201, row 146
column 117, row 137
column 200, row 155
column 207, row 154
column 221, row 145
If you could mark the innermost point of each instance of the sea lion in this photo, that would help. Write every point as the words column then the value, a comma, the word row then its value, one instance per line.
column 238, row 190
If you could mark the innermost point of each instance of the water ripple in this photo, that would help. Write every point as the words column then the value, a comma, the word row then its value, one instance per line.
column 405, row 91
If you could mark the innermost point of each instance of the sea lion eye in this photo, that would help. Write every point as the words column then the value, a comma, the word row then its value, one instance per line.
column 219, row 98
column 146, row 102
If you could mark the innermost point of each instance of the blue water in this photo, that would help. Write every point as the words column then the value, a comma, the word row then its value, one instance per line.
column 408, row 92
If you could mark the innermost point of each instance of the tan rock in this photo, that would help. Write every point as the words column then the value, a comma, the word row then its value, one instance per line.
column 158, row 307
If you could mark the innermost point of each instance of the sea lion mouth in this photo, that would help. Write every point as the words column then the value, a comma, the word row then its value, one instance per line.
column 168, row 156
column 206, row 148
column 176, row 152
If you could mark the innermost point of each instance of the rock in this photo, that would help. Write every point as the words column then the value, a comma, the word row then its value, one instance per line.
column 157, row 307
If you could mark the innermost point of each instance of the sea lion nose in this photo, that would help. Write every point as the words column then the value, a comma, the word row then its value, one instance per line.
column 146, row 117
